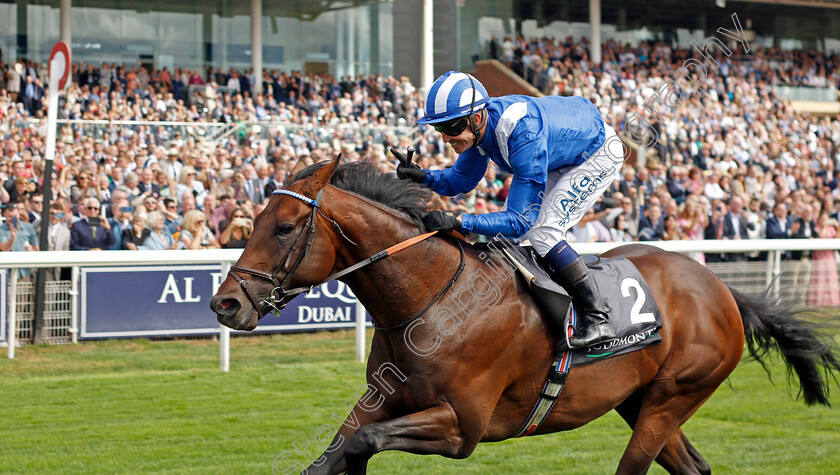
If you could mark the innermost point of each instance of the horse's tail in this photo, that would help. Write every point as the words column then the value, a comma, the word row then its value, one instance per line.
column 770, row 324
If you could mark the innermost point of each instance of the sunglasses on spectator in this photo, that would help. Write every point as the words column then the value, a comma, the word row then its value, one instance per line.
column 453, row 127
column 93, row 207
column 38, row 202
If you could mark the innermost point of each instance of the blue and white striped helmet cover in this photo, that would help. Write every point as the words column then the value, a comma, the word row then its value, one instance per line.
column 451, row 96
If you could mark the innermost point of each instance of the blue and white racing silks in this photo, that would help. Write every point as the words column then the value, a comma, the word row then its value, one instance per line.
column 527, row 137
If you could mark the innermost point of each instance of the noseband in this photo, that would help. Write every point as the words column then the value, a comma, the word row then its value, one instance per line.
column 279, row 293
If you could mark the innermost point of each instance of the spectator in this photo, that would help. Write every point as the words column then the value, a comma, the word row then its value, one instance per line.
column 226, row 206
column 735, row 226
column 103, row 188
column 91, row 232
column 780, row 225
column 618, row 231
column 249, row 187
column 10, row 185
column 120, row 220
column 692, row 224
column 671, row 228
column 83, row 188
column 166, row 187
column 147, row 183
column 276, row 182
column 17, row 235
column 195, row 234
column 159, row 238
column 150, row 203
column 58, row 238
column 675, row 184
column 225, row 184
column 237, row 230
column 187, row 184
column 652, row 225
column 171, row 167
column 36, row 209
column 134, row 236
column 824, row 289
column 171, row 217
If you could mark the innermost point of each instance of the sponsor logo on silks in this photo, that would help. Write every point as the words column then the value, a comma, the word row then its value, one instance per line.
column 580, row 190
column 620, row 342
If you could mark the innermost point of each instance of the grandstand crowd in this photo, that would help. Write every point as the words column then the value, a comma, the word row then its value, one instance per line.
column 732, row 161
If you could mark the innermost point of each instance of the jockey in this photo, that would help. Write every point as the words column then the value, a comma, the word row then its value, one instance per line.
column 555, row 148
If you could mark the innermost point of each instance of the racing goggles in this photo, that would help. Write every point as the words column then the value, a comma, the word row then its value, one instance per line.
column 453, row 127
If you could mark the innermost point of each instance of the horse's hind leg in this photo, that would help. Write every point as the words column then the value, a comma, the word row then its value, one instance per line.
column 677, row 456
column 655, row 417
column 433, row 431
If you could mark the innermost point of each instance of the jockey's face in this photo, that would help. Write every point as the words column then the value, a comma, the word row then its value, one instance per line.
column 461, row 142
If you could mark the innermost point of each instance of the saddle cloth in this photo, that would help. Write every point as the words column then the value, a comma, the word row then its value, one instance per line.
column 631, row 306
column 632, row 311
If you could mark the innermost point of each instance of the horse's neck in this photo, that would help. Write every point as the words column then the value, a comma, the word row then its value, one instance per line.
column 398, row 286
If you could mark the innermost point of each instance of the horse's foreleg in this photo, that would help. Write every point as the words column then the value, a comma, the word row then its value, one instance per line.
column 332, row 460
column 433, row 431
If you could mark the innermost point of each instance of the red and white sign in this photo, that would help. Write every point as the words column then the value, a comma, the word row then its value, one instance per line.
column 61, row 53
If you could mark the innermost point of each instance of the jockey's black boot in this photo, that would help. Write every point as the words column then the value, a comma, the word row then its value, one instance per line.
column 578, row 281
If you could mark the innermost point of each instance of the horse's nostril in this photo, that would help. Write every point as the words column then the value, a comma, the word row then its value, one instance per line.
column 225, row 306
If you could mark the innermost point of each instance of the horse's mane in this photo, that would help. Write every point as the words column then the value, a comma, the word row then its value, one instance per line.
column 365, row 179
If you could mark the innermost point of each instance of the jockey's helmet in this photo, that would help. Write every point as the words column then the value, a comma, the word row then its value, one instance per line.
column 453, row 95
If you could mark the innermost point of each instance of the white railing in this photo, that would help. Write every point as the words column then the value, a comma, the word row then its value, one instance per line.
column 775, row 249
column 212, row 133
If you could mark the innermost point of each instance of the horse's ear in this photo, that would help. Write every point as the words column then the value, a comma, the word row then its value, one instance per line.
column 300, row 165
column 320, row 178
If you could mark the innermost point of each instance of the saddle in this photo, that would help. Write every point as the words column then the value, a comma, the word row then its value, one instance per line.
column 631, row 306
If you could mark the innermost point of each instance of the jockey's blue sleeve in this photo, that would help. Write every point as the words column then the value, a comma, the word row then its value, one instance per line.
column 529, row 160
column 462, row 177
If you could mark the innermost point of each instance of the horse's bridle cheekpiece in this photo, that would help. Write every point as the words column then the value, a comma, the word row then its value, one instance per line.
column 279, row 293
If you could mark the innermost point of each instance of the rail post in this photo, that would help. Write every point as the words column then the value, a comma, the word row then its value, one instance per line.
column 224, row 332
column 12, row 313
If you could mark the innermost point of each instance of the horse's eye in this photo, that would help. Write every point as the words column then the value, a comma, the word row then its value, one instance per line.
column 285, row 229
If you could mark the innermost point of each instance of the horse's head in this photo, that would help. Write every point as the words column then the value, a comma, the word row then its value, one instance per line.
column 286, row 254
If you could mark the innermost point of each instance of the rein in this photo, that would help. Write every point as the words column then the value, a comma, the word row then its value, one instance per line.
column 279, row 293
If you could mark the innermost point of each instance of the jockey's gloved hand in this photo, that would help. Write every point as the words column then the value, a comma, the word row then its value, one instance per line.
column 407, row 170
column 441, row 221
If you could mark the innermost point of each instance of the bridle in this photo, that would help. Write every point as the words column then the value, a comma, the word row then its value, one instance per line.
column 279, row 293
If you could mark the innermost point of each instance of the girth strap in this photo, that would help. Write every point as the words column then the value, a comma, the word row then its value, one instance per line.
column 554, row 384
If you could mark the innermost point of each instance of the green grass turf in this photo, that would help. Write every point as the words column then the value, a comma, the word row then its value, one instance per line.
column 143, row 406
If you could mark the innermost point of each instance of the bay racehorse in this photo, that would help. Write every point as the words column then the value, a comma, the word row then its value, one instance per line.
column 440, row 382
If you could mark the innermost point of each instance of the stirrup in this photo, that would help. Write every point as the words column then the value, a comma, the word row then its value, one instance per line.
column 571, row 331
column 588, row 345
